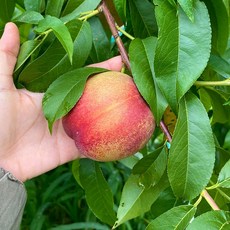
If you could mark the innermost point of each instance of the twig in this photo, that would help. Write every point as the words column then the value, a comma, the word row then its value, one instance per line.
column 112, row 25
column 165, row 131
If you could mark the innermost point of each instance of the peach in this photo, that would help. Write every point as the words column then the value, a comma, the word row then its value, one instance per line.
column 111, row 120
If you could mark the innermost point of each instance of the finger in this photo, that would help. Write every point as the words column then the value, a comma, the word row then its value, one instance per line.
column 9, row 48
column 114, row 64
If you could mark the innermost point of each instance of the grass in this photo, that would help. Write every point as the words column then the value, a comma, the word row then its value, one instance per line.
column 56, row 201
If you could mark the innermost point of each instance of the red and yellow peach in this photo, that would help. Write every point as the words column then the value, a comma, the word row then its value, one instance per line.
column 111, row 120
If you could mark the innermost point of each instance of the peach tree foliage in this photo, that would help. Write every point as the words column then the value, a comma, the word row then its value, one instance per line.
column 179, row 53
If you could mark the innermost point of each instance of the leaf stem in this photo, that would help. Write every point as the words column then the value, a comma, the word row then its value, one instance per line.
column 86, row 15
column 209, row 199
column 213, row 83
column 43, row 34
column 198, row 201
column 124, row 32
column 216, row 186
column 165, row 130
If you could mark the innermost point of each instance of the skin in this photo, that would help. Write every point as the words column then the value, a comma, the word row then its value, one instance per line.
column 27, row 148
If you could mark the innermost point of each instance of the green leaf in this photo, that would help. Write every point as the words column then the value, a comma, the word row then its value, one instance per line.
column 142, row 18
column 62, row 94
column 220, row 65
column 192, row 152
column 172, row 2
column 220, row 24
column 87, row 5
column 224, row 176
column 26, row 49
column 151, row 167
column 55, row 187
column 101, row 50
column 71, row 5
column 130, row 161
column 98, row 194
column 220, row 112
column 141, row 53
column 54, row 7
column 183, row 49
column 35, row 5
column 40, row 73
column 212, row 220
column 6, row 10
column 60, row 30
column 226, row 144
column 120, row 6
column 76, row 171
column 164, row 202
column 187, row 6
column 136, row 199
column 30, row 17
column 176, row 218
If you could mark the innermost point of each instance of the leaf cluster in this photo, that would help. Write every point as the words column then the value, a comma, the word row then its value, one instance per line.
column 179, row 52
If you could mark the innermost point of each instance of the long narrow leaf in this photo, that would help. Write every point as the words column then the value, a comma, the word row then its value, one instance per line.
column 192, row 153
column 6, row 10
column 181, row 53
column 142, row 60
column 98, row 194
column 60, row 30
column 40, row 73
column 63, row 93
column 137, row 199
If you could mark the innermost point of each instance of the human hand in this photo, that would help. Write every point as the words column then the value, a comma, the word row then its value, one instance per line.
column 27, row 147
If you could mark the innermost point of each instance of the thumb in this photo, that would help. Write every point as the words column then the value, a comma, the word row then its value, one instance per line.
column 9, row 48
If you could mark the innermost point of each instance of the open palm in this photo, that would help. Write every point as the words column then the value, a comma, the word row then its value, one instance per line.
column 27, row 148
